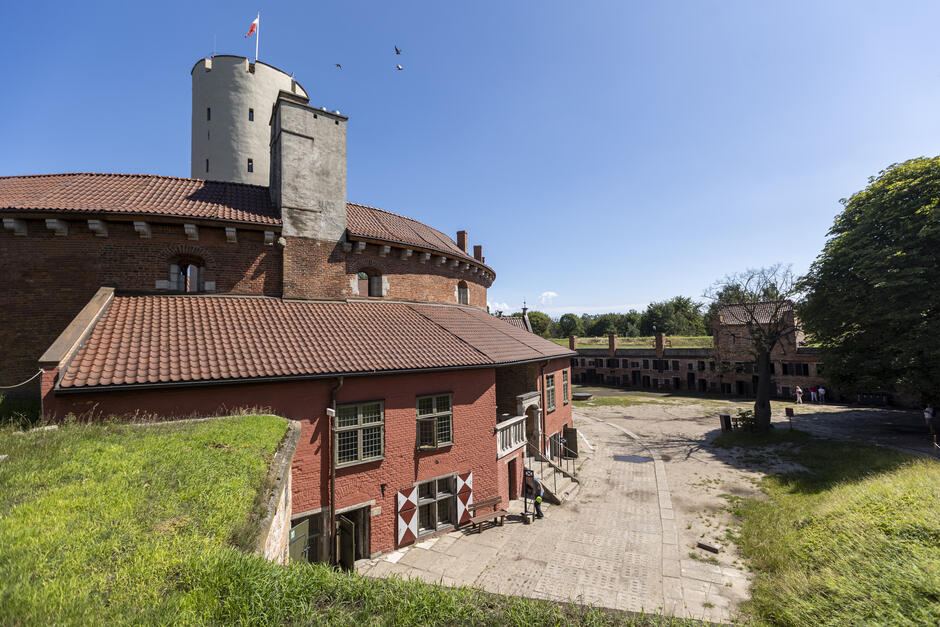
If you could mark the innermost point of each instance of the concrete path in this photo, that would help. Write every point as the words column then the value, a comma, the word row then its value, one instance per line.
column 616, row 545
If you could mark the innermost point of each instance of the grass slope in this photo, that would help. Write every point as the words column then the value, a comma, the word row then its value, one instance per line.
column 672, row 341
column 854, row 540
column 112, row 523
column 101, row 521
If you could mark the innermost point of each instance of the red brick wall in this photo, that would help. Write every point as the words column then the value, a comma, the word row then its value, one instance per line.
column 502, row 468
column 48, row 279
column 511, row 381
column 556, row 421
column 474, row 447
column 314, row 269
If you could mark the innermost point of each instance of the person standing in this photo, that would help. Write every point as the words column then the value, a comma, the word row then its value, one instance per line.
column 799, row 395
column 822, row 394
column 928, row 418
column 812, row 394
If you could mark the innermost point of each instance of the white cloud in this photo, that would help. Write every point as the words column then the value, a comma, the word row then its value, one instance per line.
column 494, row 307
column 546, row 297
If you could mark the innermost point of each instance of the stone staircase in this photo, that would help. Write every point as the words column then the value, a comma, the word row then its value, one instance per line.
column 560, row 484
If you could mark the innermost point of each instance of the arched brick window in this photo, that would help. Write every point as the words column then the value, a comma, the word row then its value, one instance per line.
column 188, row 275
column 370, row 282
column 463, row 293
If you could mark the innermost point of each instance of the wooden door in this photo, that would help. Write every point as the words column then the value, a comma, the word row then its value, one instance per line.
column 347, row 543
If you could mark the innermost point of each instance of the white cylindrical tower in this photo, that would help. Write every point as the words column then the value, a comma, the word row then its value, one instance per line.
column 231, row 131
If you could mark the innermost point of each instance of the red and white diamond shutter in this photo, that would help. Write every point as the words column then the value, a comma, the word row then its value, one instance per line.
column 407, row 516
column 464, row 496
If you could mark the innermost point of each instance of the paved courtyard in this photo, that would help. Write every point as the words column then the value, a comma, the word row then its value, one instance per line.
column 616, row 544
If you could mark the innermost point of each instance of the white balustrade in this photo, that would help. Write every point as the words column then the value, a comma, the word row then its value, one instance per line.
column 510, row 435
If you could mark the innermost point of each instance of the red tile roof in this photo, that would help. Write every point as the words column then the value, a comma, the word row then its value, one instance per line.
column 139, row 194
column 150, row 195
column 762, row 312
column 516, row 321
column 175, row 339
column 372, row 223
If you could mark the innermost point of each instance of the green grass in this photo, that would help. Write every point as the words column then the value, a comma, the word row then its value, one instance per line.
column 112, row 523
column 853, row 540
column 672, row 341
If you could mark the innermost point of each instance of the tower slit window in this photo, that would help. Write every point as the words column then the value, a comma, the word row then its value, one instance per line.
column 251, row 115
column 251, row 165
column 208, row 114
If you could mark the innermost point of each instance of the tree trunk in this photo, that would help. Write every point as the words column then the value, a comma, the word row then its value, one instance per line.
column 762, row 404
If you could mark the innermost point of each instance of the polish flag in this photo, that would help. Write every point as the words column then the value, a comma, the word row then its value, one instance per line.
column 254, row 27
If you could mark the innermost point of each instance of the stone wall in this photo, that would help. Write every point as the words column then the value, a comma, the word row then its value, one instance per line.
column 273, row 539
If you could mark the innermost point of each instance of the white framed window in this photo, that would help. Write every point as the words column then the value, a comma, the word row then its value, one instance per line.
column 437, row 504
column 549, row 392
column 360, row 433
column 564, row 386
column 435, row 421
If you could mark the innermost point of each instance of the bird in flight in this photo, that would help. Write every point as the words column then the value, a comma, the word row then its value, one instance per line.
column 397, row 50
column 399, row 68
column 338, row 66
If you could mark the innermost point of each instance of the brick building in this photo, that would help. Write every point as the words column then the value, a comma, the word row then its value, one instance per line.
column 727, row 368
column 177, row 297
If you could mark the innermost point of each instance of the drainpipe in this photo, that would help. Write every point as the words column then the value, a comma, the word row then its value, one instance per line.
column 332, row 417
column 544, row 408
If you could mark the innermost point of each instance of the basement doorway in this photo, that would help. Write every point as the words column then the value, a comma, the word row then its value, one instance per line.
column 690, row 378
column 352, row 537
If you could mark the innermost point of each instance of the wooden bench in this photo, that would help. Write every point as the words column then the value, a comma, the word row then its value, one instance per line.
column 497, row 515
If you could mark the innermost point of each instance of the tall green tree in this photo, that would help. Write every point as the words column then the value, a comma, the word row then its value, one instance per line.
column 767, row 322
column 873, row 294
column 678, row 316
column 629, row 324
column 569, row 324
column 604, row 324
column 540, row 322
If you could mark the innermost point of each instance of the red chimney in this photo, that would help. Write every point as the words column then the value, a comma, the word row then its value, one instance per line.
column 660, row 345
column 462, row 240
column 477, row 251
column 573, row 342
column 612, row 344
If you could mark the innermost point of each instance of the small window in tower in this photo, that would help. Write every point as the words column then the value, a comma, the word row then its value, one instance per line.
column 251, row 165
column 208, row 135
column 463, row 293
column 251, row 115
column 208, row 113
column 207, row 165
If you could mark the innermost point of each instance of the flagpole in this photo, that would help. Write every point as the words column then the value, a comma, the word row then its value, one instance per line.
column 257, row 36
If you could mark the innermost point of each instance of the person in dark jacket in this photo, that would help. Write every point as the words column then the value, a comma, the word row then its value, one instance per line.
column 536, row 491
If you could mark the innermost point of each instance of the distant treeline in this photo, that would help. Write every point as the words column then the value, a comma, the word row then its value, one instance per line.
column 677, row 316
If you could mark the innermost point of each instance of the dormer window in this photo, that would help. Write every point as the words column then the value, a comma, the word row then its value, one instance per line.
column 370, row 283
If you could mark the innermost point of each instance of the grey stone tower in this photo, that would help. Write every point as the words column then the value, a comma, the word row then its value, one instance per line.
column 232, row 103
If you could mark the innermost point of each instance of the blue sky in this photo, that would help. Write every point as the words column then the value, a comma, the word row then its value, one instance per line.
column 609, row 153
